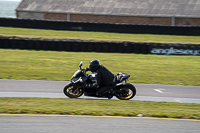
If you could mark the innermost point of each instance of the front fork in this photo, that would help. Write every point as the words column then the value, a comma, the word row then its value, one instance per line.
column 76, row 87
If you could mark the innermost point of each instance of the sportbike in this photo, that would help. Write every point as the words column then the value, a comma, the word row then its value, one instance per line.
column 75, row 89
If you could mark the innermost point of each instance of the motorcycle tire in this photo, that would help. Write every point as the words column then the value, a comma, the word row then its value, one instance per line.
column 128, row 92
column 72, row 92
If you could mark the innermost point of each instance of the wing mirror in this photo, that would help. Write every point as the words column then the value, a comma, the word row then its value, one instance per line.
column 81, row 63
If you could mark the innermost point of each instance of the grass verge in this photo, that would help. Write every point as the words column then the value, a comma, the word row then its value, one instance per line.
column 51, row 65
column 99, row 107
column 81, row 35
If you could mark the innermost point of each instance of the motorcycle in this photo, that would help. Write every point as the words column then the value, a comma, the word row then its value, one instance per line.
column 75, row 89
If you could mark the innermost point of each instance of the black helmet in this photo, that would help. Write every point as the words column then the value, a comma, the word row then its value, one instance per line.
column 94, row 65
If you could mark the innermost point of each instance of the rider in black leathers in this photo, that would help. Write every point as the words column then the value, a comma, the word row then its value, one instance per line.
column 105, row 80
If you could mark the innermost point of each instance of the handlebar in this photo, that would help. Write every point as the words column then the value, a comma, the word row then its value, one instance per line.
column 87, row 69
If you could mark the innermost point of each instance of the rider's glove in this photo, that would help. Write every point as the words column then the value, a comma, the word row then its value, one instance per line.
column 87, row 69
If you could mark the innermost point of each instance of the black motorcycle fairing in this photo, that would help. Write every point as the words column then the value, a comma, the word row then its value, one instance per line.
column 78, row 79
column 92, row 77
column 78, row 73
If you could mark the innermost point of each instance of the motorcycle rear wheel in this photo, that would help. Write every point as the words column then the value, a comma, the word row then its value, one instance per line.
column 72, row 92
column 129, row 90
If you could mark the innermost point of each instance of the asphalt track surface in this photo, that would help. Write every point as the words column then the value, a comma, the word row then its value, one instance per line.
column 54, row 89
column 83, row 124
column 86, row 124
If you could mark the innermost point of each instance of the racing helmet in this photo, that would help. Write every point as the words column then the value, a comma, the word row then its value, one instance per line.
column 94, row 65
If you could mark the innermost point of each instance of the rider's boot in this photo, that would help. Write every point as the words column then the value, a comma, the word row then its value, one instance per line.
column 111, row 93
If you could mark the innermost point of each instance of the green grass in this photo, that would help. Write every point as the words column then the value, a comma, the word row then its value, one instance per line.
column 99, row 107
column 48, row 65
column 51, row 65
column 55, row 34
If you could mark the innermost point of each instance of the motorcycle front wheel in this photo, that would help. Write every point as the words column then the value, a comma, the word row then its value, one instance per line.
column 72, row 92
column 126, row 92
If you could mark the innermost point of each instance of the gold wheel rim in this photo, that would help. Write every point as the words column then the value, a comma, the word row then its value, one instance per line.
column 76, row 93
column 130, row 94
